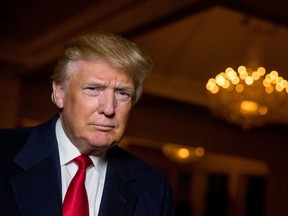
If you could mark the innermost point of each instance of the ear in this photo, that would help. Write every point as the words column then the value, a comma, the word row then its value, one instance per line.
column 58, row 94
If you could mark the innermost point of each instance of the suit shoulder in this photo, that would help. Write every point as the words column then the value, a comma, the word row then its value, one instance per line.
column 133, row 164
column 11, row 135
column 12, row 139
column 17, row 136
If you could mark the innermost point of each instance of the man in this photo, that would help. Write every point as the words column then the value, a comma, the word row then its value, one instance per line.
column 96, row 82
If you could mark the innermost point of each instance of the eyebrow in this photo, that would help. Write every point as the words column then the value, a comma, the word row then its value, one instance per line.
column 99, row 83
column 125, row 88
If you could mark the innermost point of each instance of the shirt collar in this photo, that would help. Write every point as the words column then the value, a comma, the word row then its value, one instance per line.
column 68, row 151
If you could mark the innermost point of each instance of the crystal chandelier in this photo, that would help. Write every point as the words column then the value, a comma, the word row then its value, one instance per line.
column 249, row 98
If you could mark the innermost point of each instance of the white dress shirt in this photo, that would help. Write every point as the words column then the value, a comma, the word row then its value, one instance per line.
column 95, row 175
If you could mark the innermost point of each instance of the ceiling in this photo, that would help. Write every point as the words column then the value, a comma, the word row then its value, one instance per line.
column 189, row 40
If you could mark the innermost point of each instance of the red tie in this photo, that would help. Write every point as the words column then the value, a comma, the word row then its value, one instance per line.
column 76, row 201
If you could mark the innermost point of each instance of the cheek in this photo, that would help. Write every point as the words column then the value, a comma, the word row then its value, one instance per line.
column 124, row 115
column 79, row 103
column 75, row 111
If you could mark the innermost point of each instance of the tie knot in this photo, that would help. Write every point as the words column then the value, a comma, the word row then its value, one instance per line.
column 83, row 161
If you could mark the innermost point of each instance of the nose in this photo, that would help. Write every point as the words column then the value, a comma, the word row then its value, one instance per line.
column 107, row 103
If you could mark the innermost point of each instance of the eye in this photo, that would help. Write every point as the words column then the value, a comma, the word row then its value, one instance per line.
column 124, row 95
column 92, row 90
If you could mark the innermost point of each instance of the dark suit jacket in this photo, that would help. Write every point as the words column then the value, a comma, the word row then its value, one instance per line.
column 30, row 178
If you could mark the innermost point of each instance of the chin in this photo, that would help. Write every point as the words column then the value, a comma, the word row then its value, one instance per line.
column 98, row 149
column 103, row 144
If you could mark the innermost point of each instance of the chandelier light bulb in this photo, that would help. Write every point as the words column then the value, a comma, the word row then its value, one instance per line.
column 244, row 96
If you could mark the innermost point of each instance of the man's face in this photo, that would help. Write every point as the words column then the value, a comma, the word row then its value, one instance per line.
column 96, row 101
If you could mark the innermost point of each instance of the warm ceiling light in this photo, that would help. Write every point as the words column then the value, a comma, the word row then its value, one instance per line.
column 249, row 107
column 181, row 153
column 249, row 97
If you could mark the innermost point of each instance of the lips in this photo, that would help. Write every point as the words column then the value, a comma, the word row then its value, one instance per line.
column 104, row 127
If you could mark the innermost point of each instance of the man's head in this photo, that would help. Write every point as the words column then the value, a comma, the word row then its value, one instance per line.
column 96, row 82
column 112, row 48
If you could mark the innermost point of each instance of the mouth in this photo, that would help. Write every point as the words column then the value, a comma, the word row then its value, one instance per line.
column 104, row 127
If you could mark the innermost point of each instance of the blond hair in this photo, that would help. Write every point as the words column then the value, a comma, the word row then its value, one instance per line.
column 112, row 48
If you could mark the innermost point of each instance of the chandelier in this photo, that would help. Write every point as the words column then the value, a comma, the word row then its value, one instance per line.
column 249, row 98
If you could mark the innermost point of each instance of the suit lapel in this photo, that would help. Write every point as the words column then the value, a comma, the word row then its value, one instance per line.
column 118, row 198
column 37, row 188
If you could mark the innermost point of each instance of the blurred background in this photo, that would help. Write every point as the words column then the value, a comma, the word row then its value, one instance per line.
column 218, row 130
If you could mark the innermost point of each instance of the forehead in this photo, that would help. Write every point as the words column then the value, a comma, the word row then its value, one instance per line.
column 99, row 70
